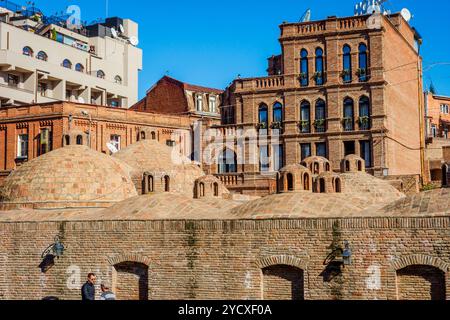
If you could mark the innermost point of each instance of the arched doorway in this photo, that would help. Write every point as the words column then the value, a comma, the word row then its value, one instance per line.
column 421, row 282
column 282, row 282
column 290, row 182
column 131, row 281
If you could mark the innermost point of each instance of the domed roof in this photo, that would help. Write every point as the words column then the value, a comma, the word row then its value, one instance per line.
column 158, row 160
column 362, row 191
column 73, row 176
column 294, row 168
column 161, row 206
column 429, row 203
column 316, row 159
column 150, row 155
column 371, row 190
column 296, row 205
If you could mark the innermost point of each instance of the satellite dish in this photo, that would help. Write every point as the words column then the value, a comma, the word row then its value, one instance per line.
column 122, row 30
column 306, row 16
column 406, row 14
column 134, row 41
column 114, row 33
column 112, row 147
column 81, row 100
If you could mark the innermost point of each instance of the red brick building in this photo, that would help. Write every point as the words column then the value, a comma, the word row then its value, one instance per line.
column 341, row 86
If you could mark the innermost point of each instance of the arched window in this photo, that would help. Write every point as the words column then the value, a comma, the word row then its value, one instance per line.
column 316, row 168
column 347, row 166
column 322, row 186
column 327, row 167
column 347, row 64
column 306, row 182
column 290, row 182
column 153, row 135
column 363, row 63
column 349, row 123
column 216, row 189
column 100, row 74
column 227, row 162
column 319, row 75
column 202, row 189
column 167, row 184
column 277, row 112
column 80, row 140
column 27, row 51
column 360, row 166
column 364, row 113
column 142, row 135
column 118, row 79
column 263, row 115
column 305, row 117
column 42, row 56
column 320, row 123
column 151, row 184
column 67, row 64
column 79, row 67
column 67, row 140
column 304, row 69
column 337, row 185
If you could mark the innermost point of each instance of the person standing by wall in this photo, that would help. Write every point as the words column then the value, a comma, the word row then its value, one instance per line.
column 107, row 294
column 88, row 289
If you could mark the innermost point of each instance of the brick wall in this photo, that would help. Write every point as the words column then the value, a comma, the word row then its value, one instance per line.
column 221, row 259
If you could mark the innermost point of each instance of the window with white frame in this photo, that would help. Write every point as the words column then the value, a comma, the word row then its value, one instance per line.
column 444, row 108
column 115, row 141
column 22, row 146
column 199, row 102
column 212, row 104
column 434, row 131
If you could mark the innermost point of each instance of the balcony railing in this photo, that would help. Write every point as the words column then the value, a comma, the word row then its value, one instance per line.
column 231, row 179
column 269, row 83
column 364, row 123
column 320, row 125
column 348, row 124
column 305, row 126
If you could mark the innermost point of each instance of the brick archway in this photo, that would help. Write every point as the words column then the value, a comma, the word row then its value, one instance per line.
column 129, row 257
column 420, row 259
column 281, row 260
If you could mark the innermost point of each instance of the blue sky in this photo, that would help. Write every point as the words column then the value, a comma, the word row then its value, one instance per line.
column 210, row 42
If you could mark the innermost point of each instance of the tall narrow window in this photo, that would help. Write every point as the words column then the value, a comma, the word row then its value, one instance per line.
column 151, row 184
column 363, row 69
column 304, row 69
column 305, row 150
column 167, row 184
column 199, row 102
column 278, row 156
column 321, row 149
column 79, row 140
column 263, row 116
column 347, row 64
column 27, row 51
column 216, row 189
column 319, row 75
column 115, row 141
column 305, row 117
column 277, row 113
column 366, row 152
column 212, row 104
column 264, row 161
column 22, row 146
column 349, row 122
column 364, row 113
column 320, row 121
column 227, row 162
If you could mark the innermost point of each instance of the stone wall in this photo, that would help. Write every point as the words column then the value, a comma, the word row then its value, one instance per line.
column 225, row 259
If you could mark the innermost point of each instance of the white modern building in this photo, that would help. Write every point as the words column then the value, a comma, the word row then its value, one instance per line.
column 42, row 60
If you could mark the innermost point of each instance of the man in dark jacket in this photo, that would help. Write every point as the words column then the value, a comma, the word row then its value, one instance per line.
column 88, row 289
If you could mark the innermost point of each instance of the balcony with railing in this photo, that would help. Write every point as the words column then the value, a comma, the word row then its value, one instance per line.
column 320, row 125
column 348, row 124
column 304, row 126
column 264, row 83
column 231, row 179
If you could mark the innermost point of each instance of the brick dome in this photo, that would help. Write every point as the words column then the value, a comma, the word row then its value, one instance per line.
column 73, row 176
column 149, row 158
column 361, row 191
column 162, row 206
